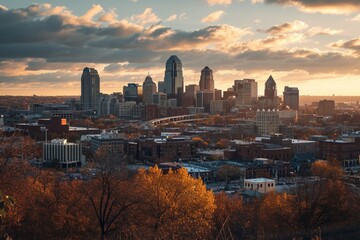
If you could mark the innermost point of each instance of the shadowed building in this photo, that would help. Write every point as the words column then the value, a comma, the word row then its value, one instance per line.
column 326, row 107
column 133, row 92
column 206, row 82
column 149, row 88
column 291, row 97
column 90, row 89
column 246, row 91
column 173, row 81
column 270, row 89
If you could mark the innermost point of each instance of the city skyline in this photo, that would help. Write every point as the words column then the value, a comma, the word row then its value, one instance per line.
column 310, row 45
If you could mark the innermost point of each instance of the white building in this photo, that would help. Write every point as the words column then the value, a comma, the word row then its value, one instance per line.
column 288, row 116
column 262, row 185
column 267, row 122
column 64, row 153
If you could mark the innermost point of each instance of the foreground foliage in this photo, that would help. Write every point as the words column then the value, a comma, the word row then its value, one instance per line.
column 151, row 204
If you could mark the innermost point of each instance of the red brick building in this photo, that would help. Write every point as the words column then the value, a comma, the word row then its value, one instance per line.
column 345, row 151
column 166, row 150
column 249, row 151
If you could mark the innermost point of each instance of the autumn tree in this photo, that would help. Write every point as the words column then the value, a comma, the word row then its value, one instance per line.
column 222, row 143
column 227, row 173
column 230, row 217
column 108, row 193
column 172, row 205
column 308, row 205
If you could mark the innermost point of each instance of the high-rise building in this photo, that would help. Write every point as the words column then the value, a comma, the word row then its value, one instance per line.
column 203, row 99
column 206, row 82
column 270, row 89
column 267, row 122
column 326, row 107
column 291, row 97
column 160, row 99
column 109, row 104
column 246, row 91
column 149, row 88
column 90, row 89
column 161, row 86
column 173, row 81
column 218, row 94
column 189, row 97
column 133, row 92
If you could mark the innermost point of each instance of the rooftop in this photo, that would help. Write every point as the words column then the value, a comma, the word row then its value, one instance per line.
column 259, row 180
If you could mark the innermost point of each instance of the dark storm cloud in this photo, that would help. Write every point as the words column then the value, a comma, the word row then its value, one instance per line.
column 37, row 33
column 41, row 78
column 353, row 44
column 58, row 41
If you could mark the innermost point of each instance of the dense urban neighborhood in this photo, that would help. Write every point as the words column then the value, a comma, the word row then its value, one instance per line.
column 168, row 163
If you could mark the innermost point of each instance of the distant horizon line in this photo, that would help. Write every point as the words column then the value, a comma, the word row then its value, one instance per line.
column 35, row 95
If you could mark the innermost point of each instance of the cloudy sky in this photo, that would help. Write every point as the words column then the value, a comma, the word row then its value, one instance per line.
column 311, row 44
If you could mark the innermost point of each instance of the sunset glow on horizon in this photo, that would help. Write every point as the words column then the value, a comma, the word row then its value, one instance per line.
column 313, row 45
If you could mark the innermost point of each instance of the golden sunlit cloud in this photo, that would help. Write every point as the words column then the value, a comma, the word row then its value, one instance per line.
column 336, row 7
column 147, row 17
column 219, row 2
column 213, row 17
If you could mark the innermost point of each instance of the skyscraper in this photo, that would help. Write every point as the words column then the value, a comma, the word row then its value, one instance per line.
column 149, row 88
column 291, row 97
column 246, row 91
column 270, row 89
column 90, row 89
column 206, row 82
column 133, row 92
column 173, row 80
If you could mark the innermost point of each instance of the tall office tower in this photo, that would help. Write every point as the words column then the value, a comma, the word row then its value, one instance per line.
column 189, row 97
column 149, row 88
column 133, row 92
column 246, row 91
column 109, row 104
column 291, row 97
column 203, row 99
column 160, row 99
column 218, row 94
column 173, row 81
column 326, row 107
column 161, row 86
column 90, row 89
column 206, row 82
column 270, row 89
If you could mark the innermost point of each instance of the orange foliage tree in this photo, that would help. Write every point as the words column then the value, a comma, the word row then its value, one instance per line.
column 172, row 205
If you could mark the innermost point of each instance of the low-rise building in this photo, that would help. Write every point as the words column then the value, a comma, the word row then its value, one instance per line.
column 60, row 152
column 158, row 150
column 262, row 185
column 112, row 141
